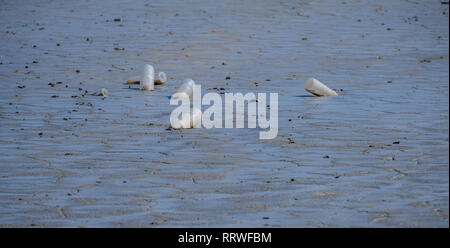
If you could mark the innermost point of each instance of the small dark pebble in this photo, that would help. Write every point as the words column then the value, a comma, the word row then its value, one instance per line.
column 55, row 96
column 118, row 19
column 223, row 63
column 267, row 80
column 57, row 44
column 228, row 78
column 77, row 71
column 265, row 218
column 51, row 84
column 21, row 86
column 40, row 134
column 389, row 82
column 396, row 142
column 326, row 156
column 292, row 179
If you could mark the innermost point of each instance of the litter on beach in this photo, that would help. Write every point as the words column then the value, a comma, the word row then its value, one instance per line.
column 185, row 90
column 317, row 88
column 103, row 92
column 188, row 121
column 148, row 78
column 161, row 78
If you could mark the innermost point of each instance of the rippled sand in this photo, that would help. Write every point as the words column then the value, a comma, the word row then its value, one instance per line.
column 375, row 156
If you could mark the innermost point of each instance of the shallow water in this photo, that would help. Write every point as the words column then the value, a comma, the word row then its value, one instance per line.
column 93, row 162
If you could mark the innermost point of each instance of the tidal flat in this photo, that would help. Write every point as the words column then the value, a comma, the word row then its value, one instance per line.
column 377, row 155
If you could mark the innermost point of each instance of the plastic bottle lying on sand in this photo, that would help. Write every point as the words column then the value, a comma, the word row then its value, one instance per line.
column 185, row 90
column 317, row 88
column 161, row 78
column 195, row 118
column 148, row 78
column 103, row 92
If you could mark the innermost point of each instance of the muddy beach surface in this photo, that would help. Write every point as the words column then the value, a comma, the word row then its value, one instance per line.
column 374, row 156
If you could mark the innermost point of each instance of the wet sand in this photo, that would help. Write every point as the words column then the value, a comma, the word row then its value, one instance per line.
column 375, row 156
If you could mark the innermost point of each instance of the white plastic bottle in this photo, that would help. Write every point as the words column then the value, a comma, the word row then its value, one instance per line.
column 161, row 78
column 185, row 90
column 317, row 88
column 196, row 118
column 192, row 120
column 148, row 78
